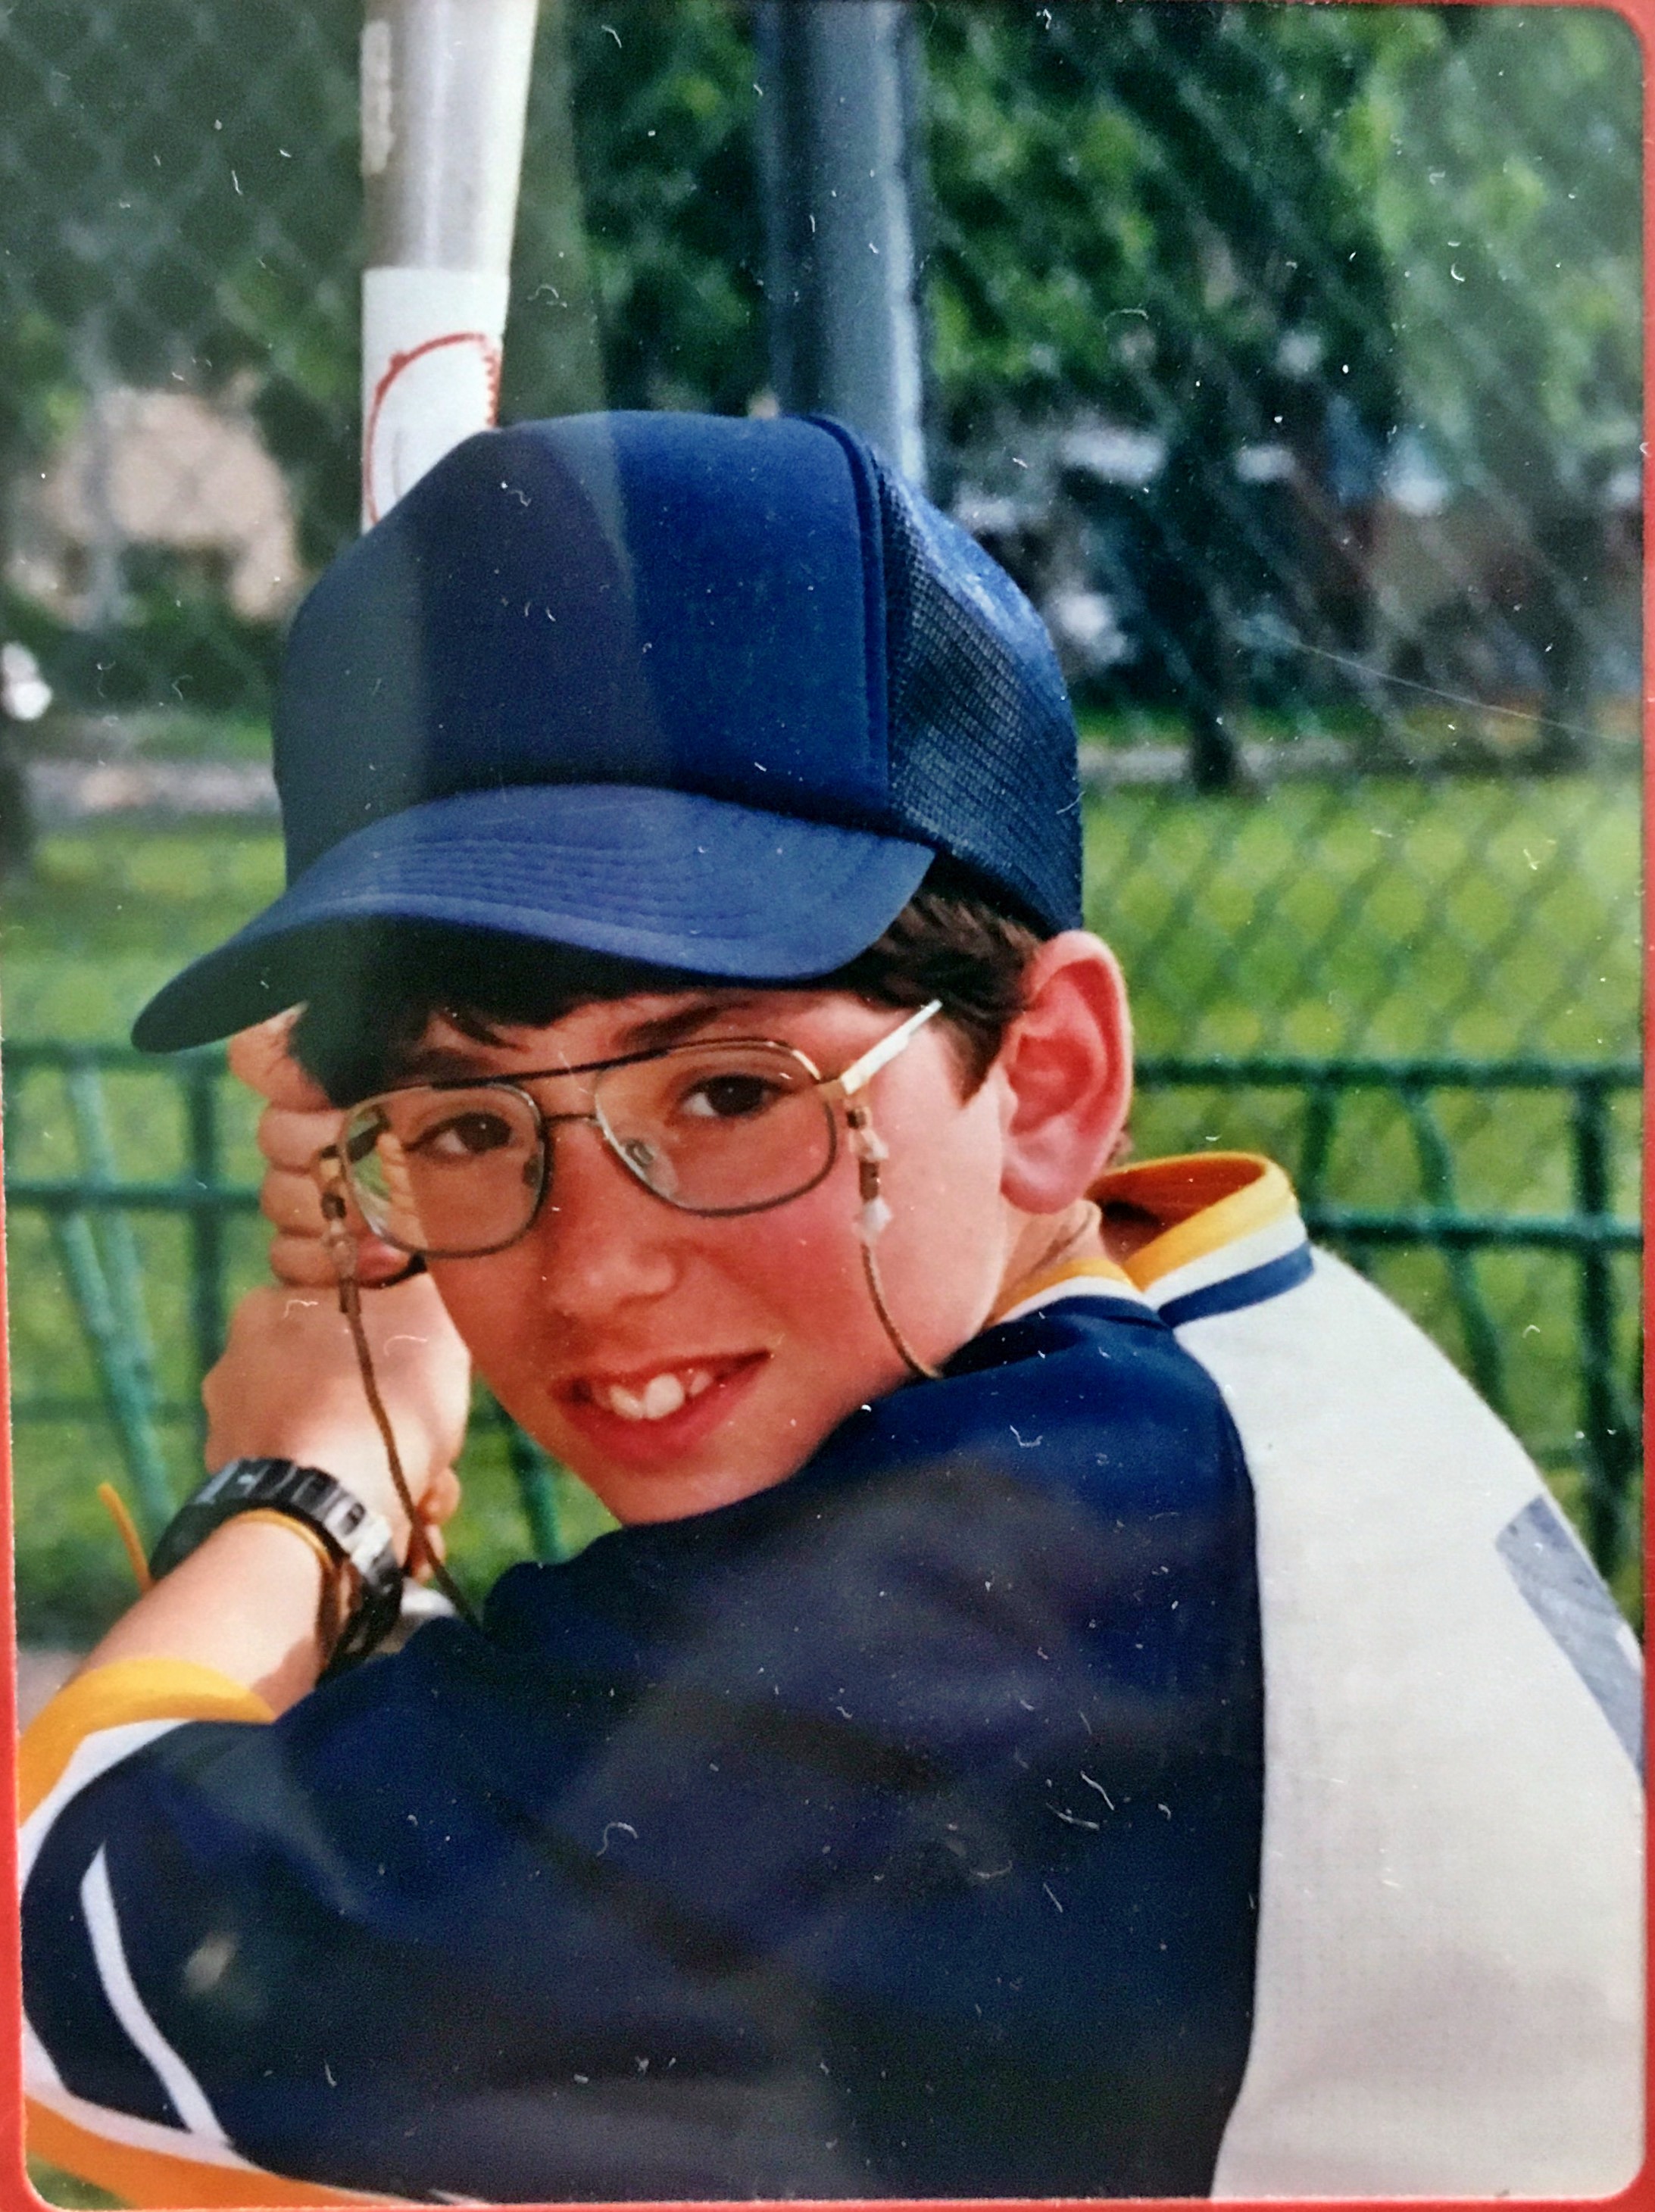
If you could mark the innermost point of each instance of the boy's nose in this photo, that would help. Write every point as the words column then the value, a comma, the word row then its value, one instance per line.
column 600, row 1237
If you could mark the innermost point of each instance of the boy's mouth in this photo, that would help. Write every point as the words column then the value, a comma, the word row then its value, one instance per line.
column 666, row 1392
column 660, row 1404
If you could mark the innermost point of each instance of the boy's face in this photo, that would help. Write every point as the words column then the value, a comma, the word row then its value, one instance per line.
column 764, row 1321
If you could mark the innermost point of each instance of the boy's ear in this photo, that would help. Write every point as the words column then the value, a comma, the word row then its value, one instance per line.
column 1067, row 1066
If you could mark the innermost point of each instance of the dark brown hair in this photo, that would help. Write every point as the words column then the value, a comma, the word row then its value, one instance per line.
column 952, row 941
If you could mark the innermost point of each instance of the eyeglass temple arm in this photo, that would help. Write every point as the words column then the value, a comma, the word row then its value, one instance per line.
column 861, row 1073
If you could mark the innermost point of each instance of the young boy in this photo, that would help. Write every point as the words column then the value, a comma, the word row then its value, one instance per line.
column 914, row 1795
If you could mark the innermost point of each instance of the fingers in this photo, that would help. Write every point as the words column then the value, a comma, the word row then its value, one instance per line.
column 303, row 1263
column 300, row 1259
column 290, row 1200
column 429, row 1543
column 259, row 1056
column 439, row 1503
column 294, row 1126
column 289, row 1137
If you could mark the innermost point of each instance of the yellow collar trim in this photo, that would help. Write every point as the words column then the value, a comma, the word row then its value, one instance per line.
column 1206, row 1199
column 1046, row 1278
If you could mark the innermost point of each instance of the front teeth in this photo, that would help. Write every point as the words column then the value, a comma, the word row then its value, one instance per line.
column 660, row 1396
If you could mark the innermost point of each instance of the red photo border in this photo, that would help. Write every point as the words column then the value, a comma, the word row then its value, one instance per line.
column 16, row 2194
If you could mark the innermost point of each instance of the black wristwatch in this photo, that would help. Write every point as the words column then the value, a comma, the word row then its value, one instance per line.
column 353, row 1534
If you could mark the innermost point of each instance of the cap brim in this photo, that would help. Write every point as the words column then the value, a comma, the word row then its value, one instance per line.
column 669, row 879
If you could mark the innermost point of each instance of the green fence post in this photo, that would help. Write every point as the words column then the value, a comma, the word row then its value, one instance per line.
column 537, row 1489
column 113, row 1236
column 1321, row 1106
column 122, row 1380
column 1609, row 1444
column 101, row 1266
column 1482, row 1346
column 200, row 1079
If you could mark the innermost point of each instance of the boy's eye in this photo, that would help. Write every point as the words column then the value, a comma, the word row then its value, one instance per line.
column 732, row 1098
column 463, row 1136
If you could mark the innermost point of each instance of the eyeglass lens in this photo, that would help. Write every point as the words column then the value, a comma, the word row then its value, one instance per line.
column 711, row 1128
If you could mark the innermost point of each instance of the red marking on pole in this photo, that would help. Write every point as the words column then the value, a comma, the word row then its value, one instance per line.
column 399, row 361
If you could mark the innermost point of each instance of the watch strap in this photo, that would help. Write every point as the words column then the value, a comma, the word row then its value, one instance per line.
column 352, row 1533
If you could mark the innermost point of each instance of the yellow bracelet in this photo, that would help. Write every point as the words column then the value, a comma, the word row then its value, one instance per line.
column 273, row 1519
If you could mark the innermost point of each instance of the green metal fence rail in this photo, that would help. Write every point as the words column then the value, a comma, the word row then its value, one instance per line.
column 91, row 1204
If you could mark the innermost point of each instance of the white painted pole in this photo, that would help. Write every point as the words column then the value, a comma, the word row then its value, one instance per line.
column 444, row 92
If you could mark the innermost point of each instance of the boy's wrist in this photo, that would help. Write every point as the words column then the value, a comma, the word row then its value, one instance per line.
column 338, row 1581
column 266, row 1516
column 361, row 1586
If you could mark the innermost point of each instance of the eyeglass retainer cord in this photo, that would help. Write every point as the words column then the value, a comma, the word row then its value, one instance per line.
column 341, row 1249
column 868, row 1150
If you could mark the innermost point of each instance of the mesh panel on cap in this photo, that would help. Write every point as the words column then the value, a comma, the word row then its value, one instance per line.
column 982, row 742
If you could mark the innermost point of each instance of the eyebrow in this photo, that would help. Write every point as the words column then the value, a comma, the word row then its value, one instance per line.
column 673, row 1027
column 434, row 1063
column 446, row 1063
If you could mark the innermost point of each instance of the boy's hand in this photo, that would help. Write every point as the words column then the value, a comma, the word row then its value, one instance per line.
column 246, row 1602
column 288, row 1387
column 297, row 1122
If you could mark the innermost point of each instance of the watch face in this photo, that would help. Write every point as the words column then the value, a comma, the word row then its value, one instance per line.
column 985, row 1619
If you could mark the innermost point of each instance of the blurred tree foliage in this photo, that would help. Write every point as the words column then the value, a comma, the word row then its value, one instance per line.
column 1501, row 175
column 1445, row 200
column 1501, row 169
column 181, row 205
column 1135, row 205
column 1221, row 221
column 664, row 109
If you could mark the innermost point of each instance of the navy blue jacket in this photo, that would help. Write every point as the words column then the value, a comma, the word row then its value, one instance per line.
column 895, row 1831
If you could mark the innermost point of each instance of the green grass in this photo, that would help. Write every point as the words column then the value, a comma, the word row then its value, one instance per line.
column 111, row 912
column 1483, row 917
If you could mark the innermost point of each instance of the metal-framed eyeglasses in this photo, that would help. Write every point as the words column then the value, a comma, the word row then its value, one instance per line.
column 455, row 1169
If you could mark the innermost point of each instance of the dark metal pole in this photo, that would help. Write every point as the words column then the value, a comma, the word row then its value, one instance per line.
column 836, row 77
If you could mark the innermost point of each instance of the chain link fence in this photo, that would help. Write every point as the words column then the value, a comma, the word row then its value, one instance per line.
column 1289, row 356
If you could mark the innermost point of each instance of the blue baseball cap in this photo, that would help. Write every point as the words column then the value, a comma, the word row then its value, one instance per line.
column 700, row 693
